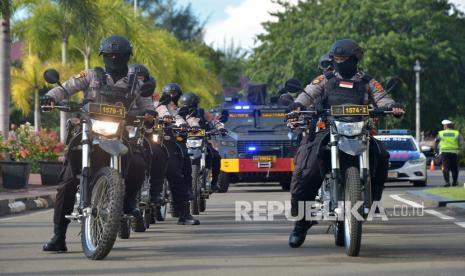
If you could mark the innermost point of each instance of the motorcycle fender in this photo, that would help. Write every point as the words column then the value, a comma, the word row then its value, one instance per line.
column 352, row 147
column 113, row 147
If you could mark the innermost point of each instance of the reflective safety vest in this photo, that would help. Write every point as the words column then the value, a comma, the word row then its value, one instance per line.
column 449, row 141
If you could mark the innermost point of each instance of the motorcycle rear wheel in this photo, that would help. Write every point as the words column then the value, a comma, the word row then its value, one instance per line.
column 100, row 228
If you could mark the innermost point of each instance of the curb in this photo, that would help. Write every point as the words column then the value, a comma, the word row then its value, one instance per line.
column 19, row 205
column 433, row 199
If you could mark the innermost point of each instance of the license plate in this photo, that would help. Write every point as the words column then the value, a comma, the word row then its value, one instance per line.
column 349, row 110
column 107, row 110
column 200, row 133
column 393, row 174
column 270, row 158
column 262, row 165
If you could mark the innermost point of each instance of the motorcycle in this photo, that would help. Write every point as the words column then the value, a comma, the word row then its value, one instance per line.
column 101, row 189
column 347, row 186
column 159, row 209
column 196, row 143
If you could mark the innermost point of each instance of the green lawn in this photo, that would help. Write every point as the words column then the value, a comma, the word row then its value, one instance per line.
column 450, row 192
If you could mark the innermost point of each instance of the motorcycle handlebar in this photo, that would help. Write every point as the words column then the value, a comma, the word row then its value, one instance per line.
column 373, row 112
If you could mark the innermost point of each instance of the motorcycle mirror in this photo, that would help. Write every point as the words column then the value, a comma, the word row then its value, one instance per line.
column 147, row 89
column 394, row 85
column 165, row 99
column 224, row 116
column 52, row 76
column 282, row 89
column 292, row 86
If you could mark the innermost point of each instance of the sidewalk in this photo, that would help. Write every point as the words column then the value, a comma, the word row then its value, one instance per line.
column 35, row 196
column 434, row 199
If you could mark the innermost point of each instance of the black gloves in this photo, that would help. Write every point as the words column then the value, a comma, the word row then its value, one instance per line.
column 47, row 100
column 296, row 105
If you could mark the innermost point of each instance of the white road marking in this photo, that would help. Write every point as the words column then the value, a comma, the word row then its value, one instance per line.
column 461, row 224
column 22, row 216
column 416, row 205
column 406, row 201
column 439, row 215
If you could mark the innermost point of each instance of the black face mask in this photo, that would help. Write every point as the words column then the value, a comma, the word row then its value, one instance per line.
column 348, row 68
column 117, row 67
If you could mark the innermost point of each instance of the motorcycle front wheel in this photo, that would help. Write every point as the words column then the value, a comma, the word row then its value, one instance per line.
column 100, row 227
column 196, row 190
column 352, row 226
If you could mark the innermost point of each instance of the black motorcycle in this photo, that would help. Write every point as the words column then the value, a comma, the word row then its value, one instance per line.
column 101, row 188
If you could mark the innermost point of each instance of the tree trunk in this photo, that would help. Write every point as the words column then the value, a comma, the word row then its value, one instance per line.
column 36, row 111
column 63, row 115
column 5, row 77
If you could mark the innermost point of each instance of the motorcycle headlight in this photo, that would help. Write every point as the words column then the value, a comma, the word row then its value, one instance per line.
column 194, row 143
column 105, row 128
column 349, row 129
column 156, row 138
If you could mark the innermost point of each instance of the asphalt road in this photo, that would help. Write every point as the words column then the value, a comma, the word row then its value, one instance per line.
column 409, row 245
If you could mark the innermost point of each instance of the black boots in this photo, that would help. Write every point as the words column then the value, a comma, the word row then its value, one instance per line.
column 297, row 237
column 185, row 216
column 57, row 243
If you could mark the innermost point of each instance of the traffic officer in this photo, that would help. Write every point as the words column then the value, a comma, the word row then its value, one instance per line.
column 179, row 171
column 109, row 86
column 449, row 141
column 198, row 117
column 346, row 85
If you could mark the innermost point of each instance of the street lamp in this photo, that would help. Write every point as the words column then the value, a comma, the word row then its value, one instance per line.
column 417, row 69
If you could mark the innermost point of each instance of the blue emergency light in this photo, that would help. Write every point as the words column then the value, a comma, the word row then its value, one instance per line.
column 241, row 107
column 251, row 148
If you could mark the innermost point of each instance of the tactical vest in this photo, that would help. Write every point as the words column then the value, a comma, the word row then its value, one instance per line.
column 113, row 94
column 449, row 141
column 339, row 92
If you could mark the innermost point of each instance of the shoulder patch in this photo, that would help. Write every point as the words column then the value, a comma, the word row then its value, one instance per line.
column 81, row 74
column 378, row 87
column 318, row 79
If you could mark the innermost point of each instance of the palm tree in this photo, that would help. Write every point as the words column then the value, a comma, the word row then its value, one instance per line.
column 5, row 78
column 28, row 81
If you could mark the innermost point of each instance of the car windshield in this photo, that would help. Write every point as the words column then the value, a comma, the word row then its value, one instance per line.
column 398, row 144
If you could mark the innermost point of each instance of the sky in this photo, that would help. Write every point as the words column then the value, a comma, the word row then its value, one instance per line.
column 237, row 20
column 240, row 20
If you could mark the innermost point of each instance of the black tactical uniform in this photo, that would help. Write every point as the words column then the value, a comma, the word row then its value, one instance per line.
column 109, row 87
column 179, row 170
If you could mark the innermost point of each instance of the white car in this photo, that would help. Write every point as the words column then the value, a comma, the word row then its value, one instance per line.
column 406, row 162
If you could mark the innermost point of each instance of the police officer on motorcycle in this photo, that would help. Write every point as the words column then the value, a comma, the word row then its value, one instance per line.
column 197, row 117
column 109, row 86
column 346, row 85
column 179, row 171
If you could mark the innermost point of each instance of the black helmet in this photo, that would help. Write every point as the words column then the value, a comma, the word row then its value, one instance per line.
column 325, row 62
column 115, row 45
column 347, row 48
column 140, row 70
column 189, row 99
column 174, row 90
